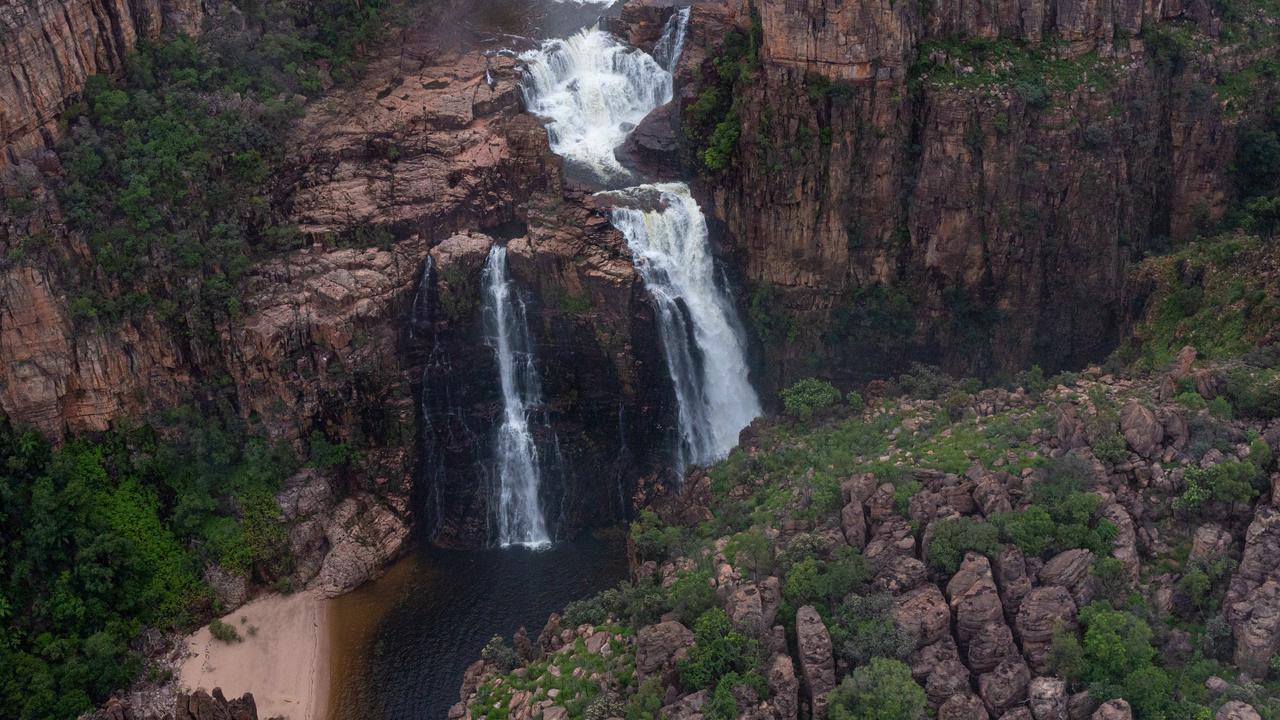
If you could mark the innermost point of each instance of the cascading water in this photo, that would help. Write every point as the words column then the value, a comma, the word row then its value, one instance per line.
column 593, row 90
column 668, row 48
column 702, row 342
column 517, row 474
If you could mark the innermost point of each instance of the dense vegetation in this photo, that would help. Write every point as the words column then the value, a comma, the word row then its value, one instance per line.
column 169, row 170
column 101, row 539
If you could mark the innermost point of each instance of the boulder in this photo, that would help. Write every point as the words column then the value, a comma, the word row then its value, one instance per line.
column 1047, row 698
column 975, row 601
column 1044, row 611
column 784, row 687
column 659, row 647
column 1257, row 629
column 990, row 645
column 893, row 539
column 200, row 705
column 1141, row 429
column 1210, row 542
column 1117, row 709
column 965, row 706
column 900, row 575
column 1236, row 710
column 1071, row 428
column 925, row 659
column 746, row 611
column 1011, row 576
column 1071, row 569
column 688, row 707
column 990, row 496
column 1125, row 547
column 854, row 524
column 1080, row 705
column 946, row 679
column 770, row 599
column 1017, row 714
column 924, row 613
column 1005, row 686
column 817, row 664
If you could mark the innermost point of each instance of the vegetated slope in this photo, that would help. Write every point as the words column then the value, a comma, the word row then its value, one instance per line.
column 943, row 550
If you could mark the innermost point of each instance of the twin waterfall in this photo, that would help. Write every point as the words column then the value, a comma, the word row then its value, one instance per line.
column 592, row 90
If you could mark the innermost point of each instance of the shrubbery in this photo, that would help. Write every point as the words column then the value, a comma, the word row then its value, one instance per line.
column 953, row 537
column 718, row 651
column 1061, row 516
column 808, row 396
column 881, row 690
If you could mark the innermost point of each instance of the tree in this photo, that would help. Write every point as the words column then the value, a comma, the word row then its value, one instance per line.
column 880, row 690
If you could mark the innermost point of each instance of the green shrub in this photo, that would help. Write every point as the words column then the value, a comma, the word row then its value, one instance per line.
column 718, row 650
column 953, row 537
column 751, row 551
column 880, row 690
column 1254, row 392
column 862, row 628
column 818, row 582
column 652, row 538
column 500, row 654
column 223, row 632
column 692, row 594
column 808, row 396
column 646, row 704
column 595, row 610
column 1227, row 482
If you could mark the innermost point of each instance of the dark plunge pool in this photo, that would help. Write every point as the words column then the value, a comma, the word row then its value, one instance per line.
column 400, row 644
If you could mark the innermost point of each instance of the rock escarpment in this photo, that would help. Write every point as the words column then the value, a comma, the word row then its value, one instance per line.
column 50, row 47
column 891, row 195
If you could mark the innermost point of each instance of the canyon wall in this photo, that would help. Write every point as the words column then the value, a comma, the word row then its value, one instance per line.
column 890, row 199
column 50, row 47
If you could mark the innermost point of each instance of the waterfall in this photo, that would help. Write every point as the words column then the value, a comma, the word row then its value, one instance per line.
column 592, row 90
column 519, row 516
column 701, row 337
column 421, row 297
column 667, row 50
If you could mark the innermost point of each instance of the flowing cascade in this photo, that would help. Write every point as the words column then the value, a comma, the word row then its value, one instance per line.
column 592, row 90
column 519, row 514
column 668, row 48
column 703, row 342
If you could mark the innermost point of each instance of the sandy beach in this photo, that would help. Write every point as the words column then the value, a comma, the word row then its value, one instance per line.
column 282, row 657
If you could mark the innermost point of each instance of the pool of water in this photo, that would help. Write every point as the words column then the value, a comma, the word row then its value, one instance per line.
column 400, row 644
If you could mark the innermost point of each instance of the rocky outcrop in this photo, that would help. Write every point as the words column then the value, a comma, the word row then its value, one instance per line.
column 1113, row 710
column 200, row 705
column 817, row 665
column 1044, row 611
column 659, row 647
column 50, row 47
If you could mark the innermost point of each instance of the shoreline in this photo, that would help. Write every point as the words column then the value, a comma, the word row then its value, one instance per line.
column 283, row 656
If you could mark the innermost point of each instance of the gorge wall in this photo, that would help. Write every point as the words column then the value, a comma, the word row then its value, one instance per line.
column 50, row 47
column 959, row 183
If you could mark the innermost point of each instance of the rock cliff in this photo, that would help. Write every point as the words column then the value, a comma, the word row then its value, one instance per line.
column 966, row 183
column 50, row 47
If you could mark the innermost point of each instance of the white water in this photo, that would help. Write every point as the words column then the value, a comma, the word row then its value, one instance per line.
column 701, row 338
column 592, row 90
column 519, row 515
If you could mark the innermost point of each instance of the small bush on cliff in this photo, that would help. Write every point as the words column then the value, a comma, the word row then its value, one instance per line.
column 880, row 690
column 652, row 538
column 1228, row 482
column 824, row 582
column 691, row 594
column 808, row 396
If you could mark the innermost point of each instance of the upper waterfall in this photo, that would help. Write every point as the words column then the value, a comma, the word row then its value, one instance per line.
column 702, row 341
column 518, row 475
column 592, row 90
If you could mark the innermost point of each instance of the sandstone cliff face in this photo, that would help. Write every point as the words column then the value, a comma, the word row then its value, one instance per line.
column 49, row 47
column 347, row 336
column 890, row 211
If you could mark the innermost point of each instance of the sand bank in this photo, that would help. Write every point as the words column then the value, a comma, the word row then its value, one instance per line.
column 282, row 657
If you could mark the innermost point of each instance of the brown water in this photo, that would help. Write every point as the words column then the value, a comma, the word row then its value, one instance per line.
column 401, row 644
